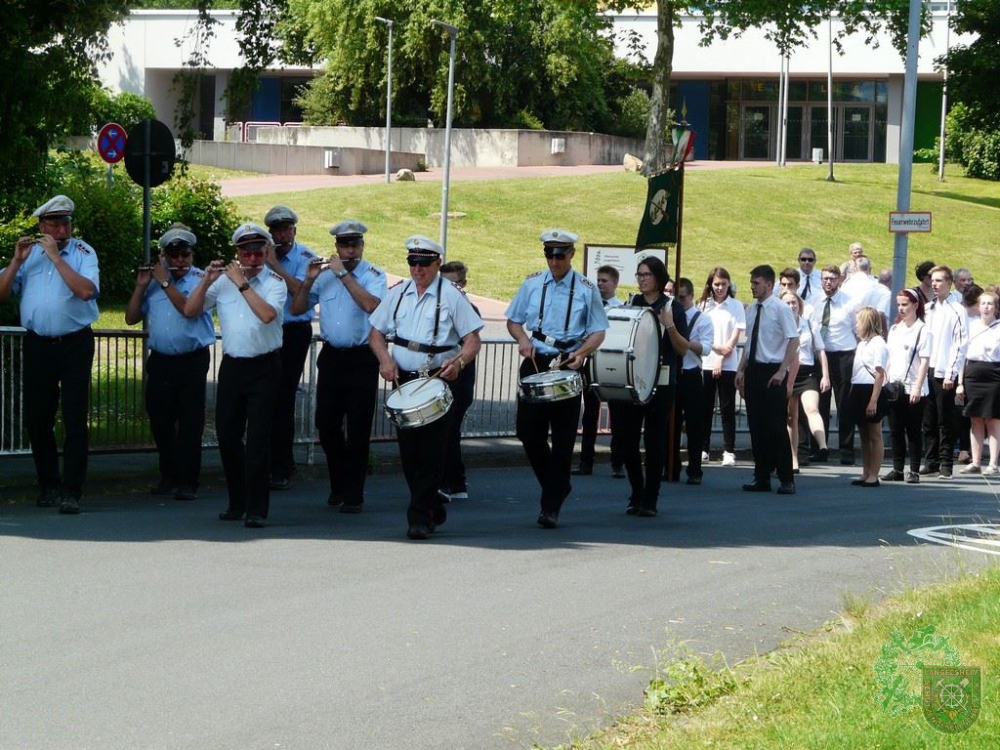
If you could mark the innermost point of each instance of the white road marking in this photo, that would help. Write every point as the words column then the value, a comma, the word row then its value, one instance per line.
column 977, row 537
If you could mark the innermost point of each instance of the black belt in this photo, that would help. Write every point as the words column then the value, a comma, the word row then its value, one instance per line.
column 413, row 346
column 556, row 343
column 192, row 353
column 297, row 323
column 58, row 339
column 258, row 357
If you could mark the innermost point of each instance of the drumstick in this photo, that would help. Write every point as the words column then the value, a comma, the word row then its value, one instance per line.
column 432, row 377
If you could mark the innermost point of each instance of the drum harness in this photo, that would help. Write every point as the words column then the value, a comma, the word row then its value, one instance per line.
column 561, row 344
column 429, row 349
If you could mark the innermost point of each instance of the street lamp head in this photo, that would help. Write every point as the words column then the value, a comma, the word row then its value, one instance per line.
column 453, row 30
column 386, row 21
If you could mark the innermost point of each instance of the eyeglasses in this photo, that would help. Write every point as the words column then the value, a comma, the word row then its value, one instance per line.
column 830, row 279
column 550, row 254
column 57, row 221
column 807, row 260
column 420, row 260
column 642, row 275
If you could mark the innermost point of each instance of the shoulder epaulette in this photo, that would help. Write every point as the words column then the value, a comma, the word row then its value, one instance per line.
column 307, row 253
column 277, row 277
column 533, row 275
column 397, row 283
column 459, row 289
column 377, row 271
column 587, row 282
column 83, row 247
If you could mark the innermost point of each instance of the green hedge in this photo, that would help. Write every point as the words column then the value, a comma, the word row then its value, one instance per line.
column 110, row 218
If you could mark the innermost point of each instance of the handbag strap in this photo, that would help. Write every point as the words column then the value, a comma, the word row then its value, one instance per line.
column 913, row 354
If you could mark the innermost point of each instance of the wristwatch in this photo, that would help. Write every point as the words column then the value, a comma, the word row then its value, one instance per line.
column 244, row 286
column 165, row 284
column 341, row 274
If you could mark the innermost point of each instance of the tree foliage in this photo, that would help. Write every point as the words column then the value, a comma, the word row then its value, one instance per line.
column 516, row 61
column 972, row 68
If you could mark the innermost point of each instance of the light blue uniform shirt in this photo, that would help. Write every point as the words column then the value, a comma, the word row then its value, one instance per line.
column 48, row 307
column 243, row 333
column 296, row 262
column 341, row 322
column 586, row 317
column 169, row 331
column 414, row 320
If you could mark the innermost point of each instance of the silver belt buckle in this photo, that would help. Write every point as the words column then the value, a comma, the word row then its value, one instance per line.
column 550, row 341
column 413, row 346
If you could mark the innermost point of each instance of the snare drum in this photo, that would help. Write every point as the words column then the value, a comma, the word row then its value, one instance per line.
column 418, row 402
column 626, row 365
column 552, row 385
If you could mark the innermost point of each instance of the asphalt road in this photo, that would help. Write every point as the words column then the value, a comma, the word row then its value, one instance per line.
column 146, row 623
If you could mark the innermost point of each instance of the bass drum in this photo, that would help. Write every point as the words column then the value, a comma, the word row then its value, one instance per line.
column 627, row 364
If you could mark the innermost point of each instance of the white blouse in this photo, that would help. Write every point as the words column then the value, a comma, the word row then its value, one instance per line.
column 726, row 317
column 868, row 358
column 984, row 341
column 808, row 344
column 902, row 340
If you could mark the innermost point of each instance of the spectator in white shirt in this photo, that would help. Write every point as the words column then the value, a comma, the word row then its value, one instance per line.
column 810, row 284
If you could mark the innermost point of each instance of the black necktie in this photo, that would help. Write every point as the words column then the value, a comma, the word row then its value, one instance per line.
column 754, row 334
column 824, row 329
column 805, row 292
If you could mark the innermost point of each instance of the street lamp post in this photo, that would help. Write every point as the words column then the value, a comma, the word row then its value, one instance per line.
column 829, row 98
column 452, row 33
column 388, row 99
column 944, row 94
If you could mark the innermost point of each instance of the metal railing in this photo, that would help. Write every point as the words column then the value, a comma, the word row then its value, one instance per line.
column 118, row 420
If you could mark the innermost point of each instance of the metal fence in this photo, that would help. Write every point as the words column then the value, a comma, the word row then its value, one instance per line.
column 118, row 420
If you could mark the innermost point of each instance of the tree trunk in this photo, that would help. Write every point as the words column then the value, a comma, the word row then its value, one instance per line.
column 658, row 140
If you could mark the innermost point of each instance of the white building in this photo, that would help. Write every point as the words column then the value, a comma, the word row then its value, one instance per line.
column 728, row 91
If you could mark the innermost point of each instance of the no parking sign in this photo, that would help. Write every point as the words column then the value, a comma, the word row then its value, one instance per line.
column 111, row 143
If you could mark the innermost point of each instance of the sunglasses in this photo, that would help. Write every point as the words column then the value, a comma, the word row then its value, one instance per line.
column 420, row 260
column 350, row 241
column 175, row 252
column 807, row 260
column 550, row 254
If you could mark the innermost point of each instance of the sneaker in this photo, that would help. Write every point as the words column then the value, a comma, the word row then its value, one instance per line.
column 48, row 499
column 970, row 469
column 912, row 477
column 945, row 473
column 990, row 470
column 70, row 506
column 704, row 456
column 728, row 459
column 892, row 476
column 461, row 494
column 929, row 469
column 444, row 495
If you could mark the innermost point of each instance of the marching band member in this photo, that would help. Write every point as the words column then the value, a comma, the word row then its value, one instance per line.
column 57, row 278
column 178, row 361
column 347, row 289
column 556, row 314
column 435, row 333
column 250, row 301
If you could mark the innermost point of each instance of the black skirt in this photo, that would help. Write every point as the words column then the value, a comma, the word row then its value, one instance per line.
column 807, row 379
column 861, row 394
column 982, row 389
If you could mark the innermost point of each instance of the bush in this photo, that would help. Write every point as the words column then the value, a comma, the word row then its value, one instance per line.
column 526, row 120
column 126, row 108
column 633, row 115
column 977, row 150
column 198, row 204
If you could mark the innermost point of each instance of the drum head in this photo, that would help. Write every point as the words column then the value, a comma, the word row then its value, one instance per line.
column 415, row 393
column 646, row 365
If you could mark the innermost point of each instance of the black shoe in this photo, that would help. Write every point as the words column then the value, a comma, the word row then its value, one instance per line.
column 254, row 522
column 820, row 457
column 857, row 482
column 647, row 513
column 352, row 508
column 694, row 480
column 847, row 459
column 333, row 500
column 280, row 483
column 927, row 469
column 70, row 506
column 870, row 484
column 633, row 507
column 618, row 472
column 757, row 487
column 444, row 495
column 945, row 473
column 892, row 476
column 439, row 515
column 418, row 531
column 185, row 493
column 163, row 487
column 230, row 515
column 912, row 477
column 583, row 470
column 548, row 519
column 48, row 499
column 787, row 488
column 796, row 471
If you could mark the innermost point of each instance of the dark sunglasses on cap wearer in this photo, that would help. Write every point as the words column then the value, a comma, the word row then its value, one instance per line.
column 560, row 252
column 424, row 261
column 175, row 251
column 350, row 241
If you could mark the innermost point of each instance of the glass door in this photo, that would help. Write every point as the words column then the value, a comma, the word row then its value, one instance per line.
column 757, row 121
column 818, row 137
column 857, row 144
column 793, row 140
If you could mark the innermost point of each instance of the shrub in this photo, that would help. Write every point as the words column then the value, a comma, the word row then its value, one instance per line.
column 126, row 108
column 977, row 150
column 198, row 204
column 633, row 115
column 526, row 120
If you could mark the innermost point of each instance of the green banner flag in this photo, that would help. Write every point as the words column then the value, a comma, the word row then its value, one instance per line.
column 660, row 219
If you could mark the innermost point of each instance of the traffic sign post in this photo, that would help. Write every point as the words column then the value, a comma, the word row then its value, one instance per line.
column 111, row 143
column 149, row 159
column 904, row 222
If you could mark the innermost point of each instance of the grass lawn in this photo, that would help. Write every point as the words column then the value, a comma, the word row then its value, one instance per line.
column 735, row 218
column 822, row 692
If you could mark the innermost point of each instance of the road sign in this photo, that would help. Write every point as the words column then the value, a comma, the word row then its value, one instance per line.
column 150, row 137
column 111, row 143
column 902, row 222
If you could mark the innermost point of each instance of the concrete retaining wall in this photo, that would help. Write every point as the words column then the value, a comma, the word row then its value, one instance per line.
column 297, row 159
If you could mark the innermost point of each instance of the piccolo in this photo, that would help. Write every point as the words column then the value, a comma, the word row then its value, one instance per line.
column 321, row 262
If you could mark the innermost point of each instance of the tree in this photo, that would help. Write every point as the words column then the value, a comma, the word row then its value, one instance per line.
column 519, row 62
column 788, row 24
column 972, row 68
column 49, row 62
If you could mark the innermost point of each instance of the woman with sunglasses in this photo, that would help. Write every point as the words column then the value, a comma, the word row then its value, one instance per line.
column 178, row 361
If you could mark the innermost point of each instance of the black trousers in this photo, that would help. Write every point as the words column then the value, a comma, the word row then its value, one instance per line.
column 767, row 413
column 57, row 373
column 462, row 391
column 725, row 387
column 243, row 407
column 648, row 422
column 346, row 393
column 588, row 433
column 939, row 425
column 534, row 424
column 690, row 413
column 906, row 432
column 422, row 452
column 295, row 340
column 841, row 365
column 175, row 402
